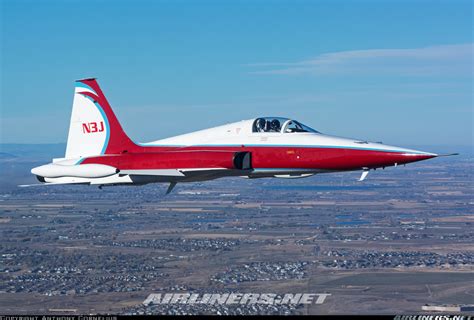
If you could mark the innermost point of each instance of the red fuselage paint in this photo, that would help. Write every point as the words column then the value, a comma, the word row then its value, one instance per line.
column 318, row 158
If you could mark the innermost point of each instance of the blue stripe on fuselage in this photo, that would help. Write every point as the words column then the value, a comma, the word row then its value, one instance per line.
column 280, row 146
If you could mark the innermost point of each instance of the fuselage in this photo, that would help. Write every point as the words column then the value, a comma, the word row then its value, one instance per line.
column 99, row 152
column 271, row 151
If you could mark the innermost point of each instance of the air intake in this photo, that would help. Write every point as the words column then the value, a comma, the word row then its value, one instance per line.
column 243, row 160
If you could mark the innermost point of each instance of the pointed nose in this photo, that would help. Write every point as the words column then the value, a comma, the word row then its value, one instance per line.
column 412, row 157
column 402, row 156
column 415, row 154
column 378, row 155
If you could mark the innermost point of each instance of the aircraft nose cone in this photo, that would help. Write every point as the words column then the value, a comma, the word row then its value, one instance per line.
column 420, row 154
column 385, row 155
column 412, row 157
column 409, row 155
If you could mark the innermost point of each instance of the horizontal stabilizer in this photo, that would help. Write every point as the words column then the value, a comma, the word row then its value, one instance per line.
column 31, row 185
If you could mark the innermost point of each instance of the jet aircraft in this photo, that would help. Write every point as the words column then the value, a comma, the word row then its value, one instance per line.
column 100, row 153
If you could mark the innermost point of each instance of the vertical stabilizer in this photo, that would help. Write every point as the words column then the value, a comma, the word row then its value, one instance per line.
column 94, row 128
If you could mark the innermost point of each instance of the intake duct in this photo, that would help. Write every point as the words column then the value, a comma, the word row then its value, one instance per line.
column 243, row 160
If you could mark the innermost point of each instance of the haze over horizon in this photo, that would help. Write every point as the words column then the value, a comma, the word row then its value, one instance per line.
column 397, row 72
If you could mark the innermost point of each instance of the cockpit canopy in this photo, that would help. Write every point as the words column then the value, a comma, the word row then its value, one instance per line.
column 281, row 125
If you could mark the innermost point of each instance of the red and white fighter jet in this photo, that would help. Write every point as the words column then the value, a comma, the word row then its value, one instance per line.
column 99, row 152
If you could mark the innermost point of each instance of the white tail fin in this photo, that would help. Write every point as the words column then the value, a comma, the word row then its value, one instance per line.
column 94, row 129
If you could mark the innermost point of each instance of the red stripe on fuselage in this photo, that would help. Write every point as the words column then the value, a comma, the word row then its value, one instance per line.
column 262, row 157
column 167, row 160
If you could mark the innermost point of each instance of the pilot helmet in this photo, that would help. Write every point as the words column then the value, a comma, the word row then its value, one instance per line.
column 275, row 125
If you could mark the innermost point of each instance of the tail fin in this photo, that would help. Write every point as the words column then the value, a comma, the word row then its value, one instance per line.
column 94, row 128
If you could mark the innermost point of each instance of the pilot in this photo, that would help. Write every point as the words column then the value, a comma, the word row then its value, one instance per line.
column 261, row 124
column 275, row 125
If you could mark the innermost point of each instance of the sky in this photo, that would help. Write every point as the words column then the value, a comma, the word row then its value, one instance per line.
column 400, row 72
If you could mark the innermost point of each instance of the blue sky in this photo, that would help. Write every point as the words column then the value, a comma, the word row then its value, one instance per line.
column 393, row 71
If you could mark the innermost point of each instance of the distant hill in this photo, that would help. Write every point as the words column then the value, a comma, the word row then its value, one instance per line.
column 16, row 161
column 33, row 151
column 6, row 156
